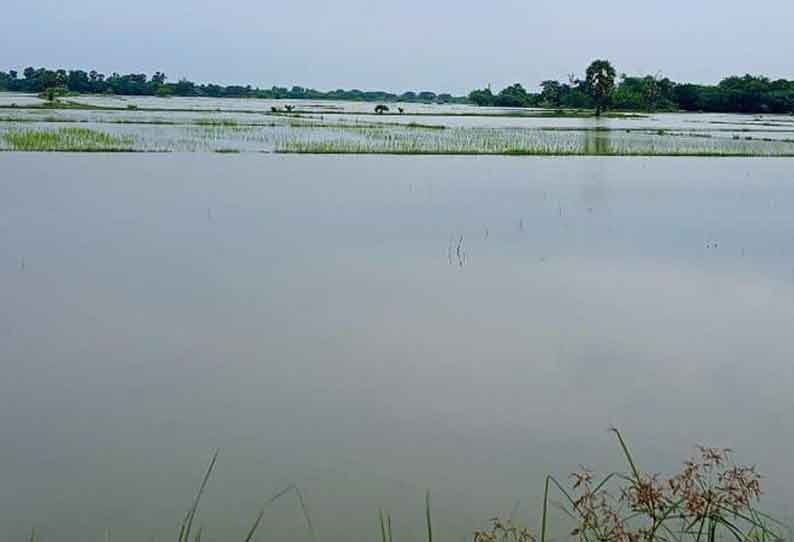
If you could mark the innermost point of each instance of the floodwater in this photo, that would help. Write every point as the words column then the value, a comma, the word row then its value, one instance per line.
column 248, row 125
column 369, row 328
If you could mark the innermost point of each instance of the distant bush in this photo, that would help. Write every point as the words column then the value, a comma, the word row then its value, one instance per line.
column 53, row 93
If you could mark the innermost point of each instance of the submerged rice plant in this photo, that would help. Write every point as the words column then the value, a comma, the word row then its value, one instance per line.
column 67, row 140
column 313, row 135
column 531, row 142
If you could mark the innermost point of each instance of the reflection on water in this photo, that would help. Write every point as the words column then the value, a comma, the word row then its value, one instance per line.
column 456, row 253
column 301, row 313
column 597, row 143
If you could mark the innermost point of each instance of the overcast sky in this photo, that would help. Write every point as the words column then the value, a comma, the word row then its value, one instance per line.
column 440, row 45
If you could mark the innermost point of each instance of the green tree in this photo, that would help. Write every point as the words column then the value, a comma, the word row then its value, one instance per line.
column 551, row 93
column 482, row 97
column 600, row 82
column 513, row 96
column 163, row 91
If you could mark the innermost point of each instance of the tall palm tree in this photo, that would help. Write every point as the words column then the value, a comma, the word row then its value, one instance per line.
column 600, row 81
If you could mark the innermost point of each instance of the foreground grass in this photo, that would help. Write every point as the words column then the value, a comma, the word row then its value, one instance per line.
column 68, row 139
column 710, row 499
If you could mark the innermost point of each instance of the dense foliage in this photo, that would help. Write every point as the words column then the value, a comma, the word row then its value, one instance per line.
column 600, row 83
column 138, row 84
column 747, row 94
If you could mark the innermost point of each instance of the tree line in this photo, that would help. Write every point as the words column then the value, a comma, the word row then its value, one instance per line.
column 60, row 81
column 600, row 89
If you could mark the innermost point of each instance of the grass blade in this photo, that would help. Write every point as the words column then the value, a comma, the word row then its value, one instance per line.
column 187, row 524
column 306, row 513
column 428, row 518
column 545, row 511
column 261, row 514
column 382, row 526
column 626, row 453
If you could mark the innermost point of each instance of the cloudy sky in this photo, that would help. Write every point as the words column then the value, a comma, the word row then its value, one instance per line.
column 436, row 45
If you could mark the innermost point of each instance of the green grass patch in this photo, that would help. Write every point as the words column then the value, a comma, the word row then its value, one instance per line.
column 216, row 122
column 518, row 142
column 69, row 139
column 420, row 126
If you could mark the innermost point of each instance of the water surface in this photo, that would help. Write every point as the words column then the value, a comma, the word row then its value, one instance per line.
column 372, row 327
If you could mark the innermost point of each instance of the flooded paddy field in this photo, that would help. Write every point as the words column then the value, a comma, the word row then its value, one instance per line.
column 368, row 328
column 226, row 125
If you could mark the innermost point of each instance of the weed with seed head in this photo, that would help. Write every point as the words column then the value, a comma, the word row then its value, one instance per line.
column 503, row 531
column 710, row 495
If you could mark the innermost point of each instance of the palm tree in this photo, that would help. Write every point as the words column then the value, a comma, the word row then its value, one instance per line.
column 600, row 82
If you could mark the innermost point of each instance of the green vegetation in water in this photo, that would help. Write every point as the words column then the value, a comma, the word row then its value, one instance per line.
column 385, row 527
column 216, row 122
column 585, row 114
column 581, row 113
column 710, row 498
column 51, row 94
column 52, row 119
column 292, row 122
column 315, row 135
column 66, row 140
column 68, row 104
column 420, row 126
column 517, row 142
column 298, row 113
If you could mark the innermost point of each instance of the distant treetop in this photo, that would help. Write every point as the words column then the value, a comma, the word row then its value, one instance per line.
column 138, row 84
column 598, row 89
